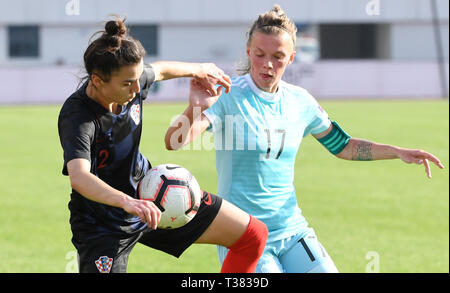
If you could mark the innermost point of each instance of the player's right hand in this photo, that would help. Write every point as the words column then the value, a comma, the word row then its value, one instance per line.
column 146, row 210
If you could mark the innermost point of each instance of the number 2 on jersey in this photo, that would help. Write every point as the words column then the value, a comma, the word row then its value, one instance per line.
column 103, row 155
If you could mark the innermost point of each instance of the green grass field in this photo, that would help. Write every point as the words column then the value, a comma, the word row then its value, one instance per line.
column 357, row 209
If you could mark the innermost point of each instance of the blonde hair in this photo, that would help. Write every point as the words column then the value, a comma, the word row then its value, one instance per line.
column 273, row 22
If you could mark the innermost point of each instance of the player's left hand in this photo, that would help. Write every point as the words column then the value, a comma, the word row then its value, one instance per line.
column 209, row 75
column 420, row 157
column 199, row 96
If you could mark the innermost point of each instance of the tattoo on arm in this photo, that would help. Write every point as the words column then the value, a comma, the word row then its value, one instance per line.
column 363, row 151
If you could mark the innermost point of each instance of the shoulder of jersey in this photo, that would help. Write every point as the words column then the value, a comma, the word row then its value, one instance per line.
column 73, row 104
column 296, row 91
column 239, row 82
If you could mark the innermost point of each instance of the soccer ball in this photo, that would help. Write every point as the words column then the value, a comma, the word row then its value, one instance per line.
column 175, row 191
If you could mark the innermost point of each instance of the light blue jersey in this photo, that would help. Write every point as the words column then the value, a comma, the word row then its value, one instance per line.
column 257, row 135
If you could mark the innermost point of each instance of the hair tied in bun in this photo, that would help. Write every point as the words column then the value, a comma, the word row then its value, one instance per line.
column 116, row 28
column 278, row 10
column 112, row 50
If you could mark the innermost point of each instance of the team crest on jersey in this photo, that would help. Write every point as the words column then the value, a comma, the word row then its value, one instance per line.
column 104, row 264
column 135, row 113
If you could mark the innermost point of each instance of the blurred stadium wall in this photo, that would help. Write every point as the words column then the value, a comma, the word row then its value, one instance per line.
column 346, row 48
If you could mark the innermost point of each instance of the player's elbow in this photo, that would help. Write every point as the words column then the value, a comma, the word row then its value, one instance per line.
column 167, row 142
column 169, row 147
column 77, row 170
column 173, row 142
column 346, row 152
column 76, row 180
column 342, row 155
column 75, row 183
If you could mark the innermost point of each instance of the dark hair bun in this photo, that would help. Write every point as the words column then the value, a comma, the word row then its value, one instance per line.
column 112, row 50
column 115, row 28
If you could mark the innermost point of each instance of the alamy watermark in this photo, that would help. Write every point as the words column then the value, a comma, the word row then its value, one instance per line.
column 72, row 262
column 373, row 266
column 231, row 133
column 373, row 8
column 72, row 7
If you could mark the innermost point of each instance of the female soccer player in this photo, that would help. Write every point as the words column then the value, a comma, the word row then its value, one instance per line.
column 258, row 127
column 100, row 129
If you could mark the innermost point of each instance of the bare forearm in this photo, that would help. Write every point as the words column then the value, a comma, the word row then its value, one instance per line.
column 173, row 69
column 186, row 128
column 364, row 150
column 97, row 190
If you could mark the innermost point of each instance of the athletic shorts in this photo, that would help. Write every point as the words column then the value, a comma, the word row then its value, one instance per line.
column 107, row 254
column 301, row 253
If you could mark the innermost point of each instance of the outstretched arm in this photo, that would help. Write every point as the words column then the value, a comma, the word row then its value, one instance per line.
column 208, row 74
column 363, row 150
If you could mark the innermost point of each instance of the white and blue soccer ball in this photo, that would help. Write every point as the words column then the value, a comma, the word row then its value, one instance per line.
column 175, row 191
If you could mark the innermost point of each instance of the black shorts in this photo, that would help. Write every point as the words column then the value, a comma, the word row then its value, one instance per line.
column 110, row 253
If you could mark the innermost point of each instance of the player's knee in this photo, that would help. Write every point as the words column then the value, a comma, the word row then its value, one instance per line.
column 253, row 241
column 261, row 236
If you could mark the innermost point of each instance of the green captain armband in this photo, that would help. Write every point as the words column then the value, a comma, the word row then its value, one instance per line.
column 336, row 140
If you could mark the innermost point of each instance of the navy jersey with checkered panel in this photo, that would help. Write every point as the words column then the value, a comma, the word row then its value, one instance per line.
column 111, row 143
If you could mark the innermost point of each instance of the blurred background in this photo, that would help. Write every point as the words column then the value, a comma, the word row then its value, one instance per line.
column 352, row 49
column 379, row 67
